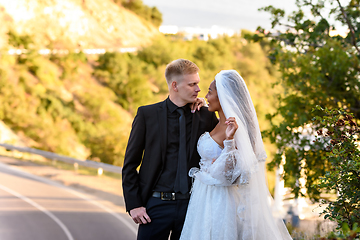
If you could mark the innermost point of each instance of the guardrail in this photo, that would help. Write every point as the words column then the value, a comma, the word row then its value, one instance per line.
column 87, row 51
column 53, row 156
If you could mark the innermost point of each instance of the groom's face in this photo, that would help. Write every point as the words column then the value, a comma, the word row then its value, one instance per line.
column 188, row 87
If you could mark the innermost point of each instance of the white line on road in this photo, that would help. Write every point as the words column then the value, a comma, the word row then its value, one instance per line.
column 47, row 181
column 31, row 202
column 134, row 230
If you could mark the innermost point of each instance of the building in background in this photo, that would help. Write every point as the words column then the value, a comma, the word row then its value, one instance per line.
column 190, row 33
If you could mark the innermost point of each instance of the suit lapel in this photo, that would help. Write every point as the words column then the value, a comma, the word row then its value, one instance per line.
column 194, row 130
column 162, row 120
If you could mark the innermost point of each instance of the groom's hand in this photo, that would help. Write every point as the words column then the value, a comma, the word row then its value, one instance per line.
column 140, row 216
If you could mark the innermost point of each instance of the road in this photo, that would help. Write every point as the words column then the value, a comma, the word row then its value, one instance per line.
column 36, row 208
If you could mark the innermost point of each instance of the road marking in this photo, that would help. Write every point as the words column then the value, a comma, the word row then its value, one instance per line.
column 47, row 181
column 31, row 202
column 117, row 216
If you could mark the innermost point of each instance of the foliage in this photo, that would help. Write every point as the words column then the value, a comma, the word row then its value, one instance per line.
column 27, row 107
column 345, row 233
column 151, row 14
column 123, row 73
column 161, row 52
column 82, row 106
column 19, row 41
column 338, row 134
column 316, row 68
column 69, row 63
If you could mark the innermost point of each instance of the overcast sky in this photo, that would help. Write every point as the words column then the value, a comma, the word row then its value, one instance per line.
column 234, row 14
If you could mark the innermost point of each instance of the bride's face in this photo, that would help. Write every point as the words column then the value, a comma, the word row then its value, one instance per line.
column 212, row 98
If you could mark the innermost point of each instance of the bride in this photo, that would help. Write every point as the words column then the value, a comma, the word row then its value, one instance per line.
column 230, row 199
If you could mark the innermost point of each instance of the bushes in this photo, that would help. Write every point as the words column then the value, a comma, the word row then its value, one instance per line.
column 151, row 14
column 125, row 74
column 338, row 134
column 83, row 108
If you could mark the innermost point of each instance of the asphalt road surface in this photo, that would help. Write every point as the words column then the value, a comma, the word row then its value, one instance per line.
column 35, row 208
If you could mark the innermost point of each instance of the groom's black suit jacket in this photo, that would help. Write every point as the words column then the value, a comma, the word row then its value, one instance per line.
column 147, row 146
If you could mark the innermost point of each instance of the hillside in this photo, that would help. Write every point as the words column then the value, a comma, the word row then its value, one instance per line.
column 83, row 105
column 55, row 103
column 74, row 24
column 58, row 106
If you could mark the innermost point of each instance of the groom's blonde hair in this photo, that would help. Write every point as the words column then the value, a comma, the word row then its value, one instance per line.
column 180, row 67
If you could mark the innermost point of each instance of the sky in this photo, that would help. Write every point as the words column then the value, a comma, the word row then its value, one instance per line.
column 233, row 14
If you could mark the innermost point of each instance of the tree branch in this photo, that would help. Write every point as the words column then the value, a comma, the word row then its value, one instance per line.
column 286, row 25
column 315, row 8
column 357, row 176
column 353, row 39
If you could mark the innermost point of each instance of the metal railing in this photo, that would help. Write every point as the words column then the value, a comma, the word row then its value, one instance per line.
column 76, row 162
column 88, row 51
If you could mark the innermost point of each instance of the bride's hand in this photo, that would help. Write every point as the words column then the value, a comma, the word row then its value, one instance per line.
column 231, row 128
column 200, row 102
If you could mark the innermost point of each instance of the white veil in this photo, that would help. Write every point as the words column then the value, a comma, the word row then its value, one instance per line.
column 254, row 210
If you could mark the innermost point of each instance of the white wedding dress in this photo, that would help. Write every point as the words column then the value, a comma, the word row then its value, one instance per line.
column 212, row 211
column 230, row 198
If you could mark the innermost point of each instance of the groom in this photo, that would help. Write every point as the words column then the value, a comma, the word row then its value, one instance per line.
column 163, row 143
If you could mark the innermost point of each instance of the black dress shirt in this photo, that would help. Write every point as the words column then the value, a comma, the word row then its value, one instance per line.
column 167, row 178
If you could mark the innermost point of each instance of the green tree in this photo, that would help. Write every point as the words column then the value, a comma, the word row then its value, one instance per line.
column 151, row 14
column 316, row 68
column 156, row 16
column 338, row 136
column 125, row 75
column 161, row 52
column 19, row 41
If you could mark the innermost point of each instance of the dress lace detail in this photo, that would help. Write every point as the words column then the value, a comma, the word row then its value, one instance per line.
column 219, row 166
column 213, row 194
column 208, row 150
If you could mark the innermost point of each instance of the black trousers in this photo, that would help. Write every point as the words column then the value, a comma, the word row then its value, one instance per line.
column 167, row 219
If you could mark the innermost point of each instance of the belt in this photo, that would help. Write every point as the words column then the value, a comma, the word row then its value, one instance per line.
column 170, row 196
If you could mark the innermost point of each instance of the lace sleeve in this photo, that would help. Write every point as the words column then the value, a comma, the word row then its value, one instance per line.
column 225, row 168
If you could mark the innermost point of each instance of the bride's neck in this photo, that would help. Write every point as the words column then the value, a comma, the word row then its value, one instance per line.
column 222, row 117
